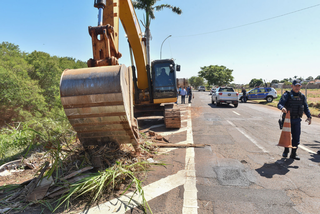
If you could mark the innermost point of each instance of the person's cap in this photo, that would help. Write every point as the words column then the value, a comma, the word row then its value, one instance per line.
column 296, row 82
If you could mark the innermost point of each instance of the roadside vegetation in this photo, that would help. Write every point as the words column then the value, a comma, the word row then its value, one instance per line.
column 30, row 106
column 33, row 124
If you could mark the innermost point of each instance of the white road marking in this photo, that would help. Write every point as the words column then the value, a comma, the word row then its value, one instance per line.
column 190, row 201
column 174, row 132
column 151, row 191
column 247, row 136
column 306, row 149
column 236, row 113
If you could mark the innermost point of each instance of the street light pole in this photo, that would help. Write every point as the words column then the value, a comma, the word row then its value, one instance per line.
column 162, row 44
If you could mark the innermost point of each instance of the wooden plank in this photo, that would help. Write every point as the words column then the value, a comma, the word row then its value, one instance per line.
column 77, row 172
column 32, row 185
column 41, row 190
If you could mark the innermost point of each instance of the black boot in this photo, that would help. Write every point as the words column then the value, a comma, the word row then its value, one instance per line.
column 285, row 152
column 294, row 154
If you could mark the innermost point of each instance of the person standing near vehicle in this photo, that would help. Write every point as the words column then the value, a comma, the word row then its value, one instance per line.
column 188, row 91
column 244, row 95
column 189, row 94
column 295, row 102
column 183, row 95
column 178, row 92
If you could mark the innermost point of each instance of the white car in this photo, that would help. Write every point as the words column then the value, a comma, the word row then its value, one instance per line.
column 201, row 88
column 225, row 95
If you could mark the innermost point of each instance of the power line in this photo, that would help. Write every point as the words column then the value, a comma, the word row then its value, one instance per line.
column 251, row 23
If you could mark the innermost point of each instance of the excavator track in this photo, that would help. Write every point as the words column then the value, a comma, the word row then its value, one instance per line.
column 98, row 103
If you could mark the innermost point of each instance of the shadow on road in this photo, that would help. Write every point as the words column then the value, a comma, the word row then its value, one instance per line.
column 315, row 158
column 255, row 102
column 220, row 106
column 315, row 145
column 280, row 167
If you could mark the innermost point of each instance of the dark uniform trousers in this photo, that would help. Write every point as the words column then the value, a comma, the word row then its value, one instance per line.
column 295, row 131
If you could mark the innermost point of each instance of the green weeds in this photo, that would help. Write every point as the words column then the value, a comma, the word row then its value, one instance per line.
column 18, row 139
column 96, row 185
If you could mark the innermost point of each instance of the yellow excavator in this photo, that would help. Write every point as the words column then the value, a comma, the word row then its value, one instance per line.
column 103, row 101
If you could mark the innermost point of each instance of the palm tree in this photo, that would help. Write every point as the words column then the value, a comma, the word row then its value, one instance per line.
column 149, row 6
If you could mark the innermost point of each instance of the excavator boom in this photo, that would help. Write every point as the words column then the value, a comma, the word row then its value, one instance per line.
column 98, row 100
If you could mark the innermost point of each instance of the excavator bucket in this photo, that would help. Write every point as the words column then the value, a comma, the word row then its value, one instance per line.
column 98, row 103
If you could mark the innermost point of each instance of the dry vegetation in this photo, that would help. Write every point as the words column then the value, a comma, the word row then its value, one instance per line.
column 313, row 99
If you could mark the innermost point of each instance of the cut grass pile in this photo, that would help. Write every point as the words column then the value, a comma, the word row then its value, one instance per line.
column 120, row 165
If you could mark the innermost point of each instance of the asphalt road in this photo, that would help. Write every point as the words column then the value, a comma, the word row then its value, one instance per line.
column 240, row 171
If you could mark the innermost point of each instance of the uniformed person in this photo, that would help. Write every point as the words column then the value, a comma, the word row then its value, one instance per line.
column 296, row 103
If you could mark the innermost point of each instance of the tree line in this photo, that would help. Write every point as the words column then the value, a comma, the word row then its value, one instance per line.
column 221, row 75
column 286, row 81
column 29, row 83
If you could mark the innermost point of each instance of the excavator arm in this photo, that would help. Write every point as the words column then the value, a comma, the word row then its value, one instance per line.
column 98, row 100
column 105, row 37
column 132, row 28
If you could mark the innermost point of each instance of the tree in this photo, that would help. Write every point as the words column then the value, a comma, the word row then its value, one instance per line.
column 217, row 75
column 300, row 78
column 275, row 81
column 309, row 78
column 29, row 83
column 20, row 96
column 317, row 78
column 148, row 7
column 195, row 82
column 255, row 82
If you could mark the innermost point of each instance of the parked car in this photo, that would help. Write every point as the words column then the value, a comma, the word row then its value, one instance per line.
column 263, row 93
column 201, row 88
column 225, row 95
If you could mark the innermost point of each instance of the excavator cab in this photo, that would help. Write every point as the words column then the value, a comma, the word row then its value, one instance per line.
column 164, row 79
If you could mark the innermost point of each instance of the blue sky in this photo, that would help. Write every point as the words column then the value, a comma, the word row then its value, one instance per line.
column 216, row 32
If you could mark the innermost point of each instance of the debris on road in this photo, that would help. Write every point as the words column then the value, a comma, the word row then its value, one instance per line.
column 56, row 172
column 59, row 170
column 151, row 133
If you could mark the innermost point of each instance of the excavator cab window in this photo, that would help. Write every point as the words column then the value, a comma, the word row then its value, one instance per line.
column 164, row 84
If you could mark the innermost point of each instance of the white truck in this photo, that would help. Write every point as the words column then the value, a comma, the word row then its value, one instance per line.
column 225, row 95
